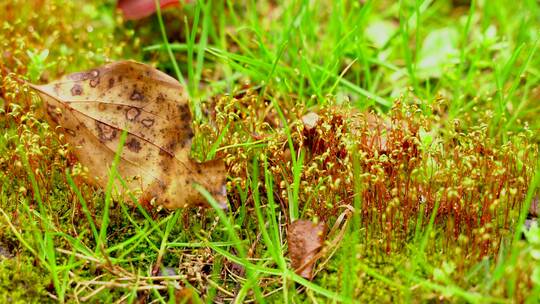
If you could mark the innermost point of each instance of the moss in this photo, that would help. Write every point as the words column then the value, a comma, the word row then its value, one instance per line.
column 22, row 282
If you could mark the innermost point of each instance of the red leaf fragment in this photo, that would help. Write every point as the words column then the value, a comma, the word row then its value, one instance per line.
column 137, row 9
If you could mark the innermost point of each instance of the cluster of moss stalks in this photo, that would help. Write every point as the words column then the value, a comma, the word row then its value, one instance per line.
column 401, row 172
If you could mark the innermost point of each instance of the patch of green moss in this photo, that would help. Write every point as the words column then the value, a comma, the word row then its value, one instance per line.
column 23, row 282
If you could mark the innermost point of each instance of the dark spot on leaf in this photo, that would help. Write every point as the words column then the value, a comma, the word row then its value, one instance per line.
column 166, row 154
column 94, row 82
column 160, row 98
column 132, row 113
column 187, row 136
column 170, row 146
column 134, row 145
column 136, row 95
column 76, row 90
column 162, row 185
column 57, row 88
column 148, row 122
column 183, row 108
column 70, row 132
column 185, row 116
column 105, row 132
column 53, row 113
column 163, row 165
column 186, row 142
column 111, row 82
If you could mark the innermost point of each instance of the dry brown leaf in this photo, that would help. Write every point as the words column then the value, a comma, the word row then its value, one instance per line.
column 305, row 239
column 93, row 108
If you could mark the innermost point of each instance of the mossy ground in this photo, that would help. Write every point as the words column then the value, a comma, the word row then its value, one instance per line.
column 433, row 214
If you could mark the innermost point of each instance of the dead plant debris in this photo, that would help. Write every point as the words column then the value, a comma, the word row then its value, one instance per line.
column 305, row 240
column 93, row 108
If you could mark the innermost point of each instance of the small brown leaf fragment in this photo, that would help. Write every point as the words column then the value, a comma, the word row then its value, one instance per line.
column 5, row 253
column 95, row 107
column 534, row 211
column 305, row 240
column 310, row 120
column 233, row 268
